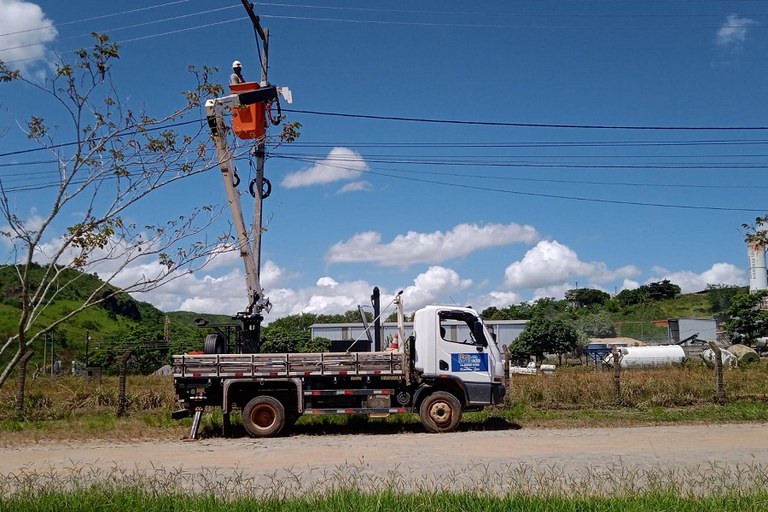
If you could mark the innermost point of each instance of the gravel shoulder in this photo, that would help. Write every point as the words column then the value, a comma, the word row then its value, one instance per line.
column 417, row 454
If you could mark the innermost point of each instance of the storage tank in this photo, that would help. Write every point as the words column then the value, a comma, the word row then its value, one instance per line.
column 758, row 277
column 648, row 357
column 744, row 354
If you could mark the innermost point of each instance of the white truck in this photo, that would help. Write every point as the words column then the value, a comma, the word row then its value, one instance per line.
column 449, row 364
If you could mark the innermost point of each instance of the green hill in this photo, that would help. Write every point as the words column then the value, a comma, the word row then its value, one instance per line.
column 117, row 323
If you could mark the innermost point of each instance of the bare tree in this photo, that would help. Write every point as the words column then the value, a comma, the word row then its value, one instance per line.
column 116, row 159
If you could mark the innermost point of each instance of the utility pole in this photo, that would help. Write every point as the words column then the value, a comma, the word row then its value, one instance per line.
column 258, row 185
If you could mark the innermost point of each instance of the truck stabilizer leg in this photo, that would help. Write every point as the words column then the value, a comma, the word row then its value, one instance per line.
column 225, row 425
column 196, row 422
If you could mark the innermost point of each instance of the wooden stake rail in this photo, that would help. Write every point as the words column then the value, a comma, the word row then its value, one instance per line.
column 288, row 365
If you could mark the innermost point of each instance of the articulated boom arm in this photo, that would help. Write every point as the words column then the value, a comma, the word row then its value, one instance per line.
column 214, row 111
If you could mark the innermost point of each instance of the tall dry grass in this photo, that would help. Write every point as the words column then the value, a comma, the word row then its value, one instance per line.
column 680, row 386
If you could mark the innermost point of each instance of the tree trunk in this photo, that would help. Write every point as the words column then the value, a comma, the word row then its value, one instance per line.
column 21, row 384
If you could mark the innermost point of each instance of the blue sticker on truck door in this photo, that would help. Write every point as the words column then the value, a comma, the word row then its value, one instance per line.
column 472, row 362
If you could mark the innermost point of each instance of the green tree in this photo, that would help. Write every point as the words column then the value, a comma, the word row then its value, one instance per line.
column 597, row 325
column 746, row 316
column 756, row 233
column 720, row 296
column 544, row 335
column 631, row 297
column 120, row 157
column 662, row 290
column 586, row 297
column 318, row 344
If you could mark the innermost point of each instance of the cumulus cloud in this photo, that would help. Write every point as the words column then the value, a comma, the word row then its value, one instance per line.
column 341, row 164
column 356, row 186
column 430, row 248
column 734, row 30
column 27, row 32
column 437, row 284
column 499, row 299
column 226, row 294
column 551, row 263
column 689, row 282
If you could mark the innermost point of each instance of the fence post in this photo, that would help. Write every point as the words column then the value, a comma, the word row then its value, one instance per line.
column 616, row 374
column 122, row 400
column 506, row 366
column 719, row 383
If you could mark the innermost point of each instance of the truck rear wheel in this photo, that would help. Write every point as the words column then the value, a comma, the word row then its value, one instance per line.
column 263, row 416
column 440, row 412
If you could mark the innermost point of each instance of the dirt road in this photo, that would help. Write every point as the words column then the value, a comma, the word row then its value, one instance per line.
column 461, row 456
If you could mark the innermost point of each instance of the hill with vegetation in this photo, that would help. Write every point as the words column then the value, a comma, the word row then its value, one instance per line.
column 100, row 334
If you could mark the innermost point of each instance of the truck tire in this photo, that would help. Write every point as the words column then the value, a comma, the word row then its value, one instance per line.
column 263, row 416
column 440, row 412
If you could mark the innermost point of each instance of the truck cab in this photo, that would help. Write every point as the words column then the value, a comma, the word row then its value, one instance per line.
column 452, row 343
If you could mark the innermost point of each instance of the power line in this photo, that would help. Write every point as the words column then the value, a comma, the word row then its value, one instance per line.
column 127, row 27
column 68, row 144
column 458, row 161
column 524, row 125
column 572, row 182
column 547, row 196
column 496, row 14
column 488, row 25
column 94, row 18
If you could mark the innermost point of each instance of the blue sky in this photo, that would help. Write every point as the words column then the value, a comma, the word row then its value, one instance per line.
column 477, row 214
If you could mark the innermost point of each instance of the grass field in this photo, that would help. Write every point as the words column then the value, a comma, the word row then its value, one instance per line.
column 73, row 408
column 69, row 407
column 136, row 499
column 518, row 487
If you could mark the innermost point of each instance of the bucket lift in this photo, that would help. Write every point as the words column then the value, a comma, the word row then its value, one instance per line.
column 247, row 103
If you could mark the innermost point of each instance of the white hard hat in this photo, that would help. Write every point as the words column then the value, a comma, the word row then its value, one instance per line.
column 236, row 64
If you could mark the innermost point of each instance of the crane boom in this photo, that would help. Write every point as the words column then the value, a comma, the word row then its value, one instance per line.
column 214, row 112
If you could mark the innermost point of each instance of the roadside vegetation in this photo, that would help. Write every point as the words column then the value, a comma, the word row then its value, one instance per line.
column 524, row 486
column 78, row 408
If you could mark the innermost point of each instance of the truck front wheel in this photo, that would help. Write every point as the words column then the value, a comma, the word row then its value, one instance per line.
column 440, row 412
column 263, row 416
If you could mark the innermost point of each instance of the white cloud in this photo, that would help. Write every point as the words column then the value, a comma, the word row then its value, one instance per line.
column 734, row 30
column 437, row 284
column 499, row 299
column 430, row 248
column 629, row 284
column 555, row 291
column 551, row 263
column 689, row 282
column 356, row 186
column 340, row 164
column 28, row 32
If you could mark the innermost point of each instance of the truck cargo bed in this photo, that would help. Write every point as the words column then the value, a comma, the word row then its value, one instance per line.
column 285, row 365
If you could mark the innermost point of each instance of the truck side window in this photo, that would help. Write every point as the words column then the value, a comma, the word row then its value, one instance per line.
column 458, row 327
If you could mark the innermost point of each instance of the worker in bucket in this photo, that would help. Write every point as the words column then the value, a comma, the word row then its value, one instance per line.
column 237, row 73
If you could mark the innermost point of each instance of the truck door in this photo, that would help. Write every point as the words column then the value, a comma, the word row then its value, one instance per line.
column 464, row 352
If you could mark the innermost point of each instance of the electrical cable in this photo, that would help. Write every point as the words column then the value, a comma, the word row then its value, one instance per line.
column 549, row 196
column 525, row 125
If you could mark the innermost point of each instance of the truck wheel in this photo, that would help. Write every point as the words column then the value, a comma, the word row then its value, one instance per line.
column 440, row 412
column 263, row 416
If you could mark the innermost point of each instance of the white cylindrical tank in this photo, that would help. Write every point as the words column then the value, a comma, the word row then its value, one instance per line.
column 758, row 277
column 646, row 357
